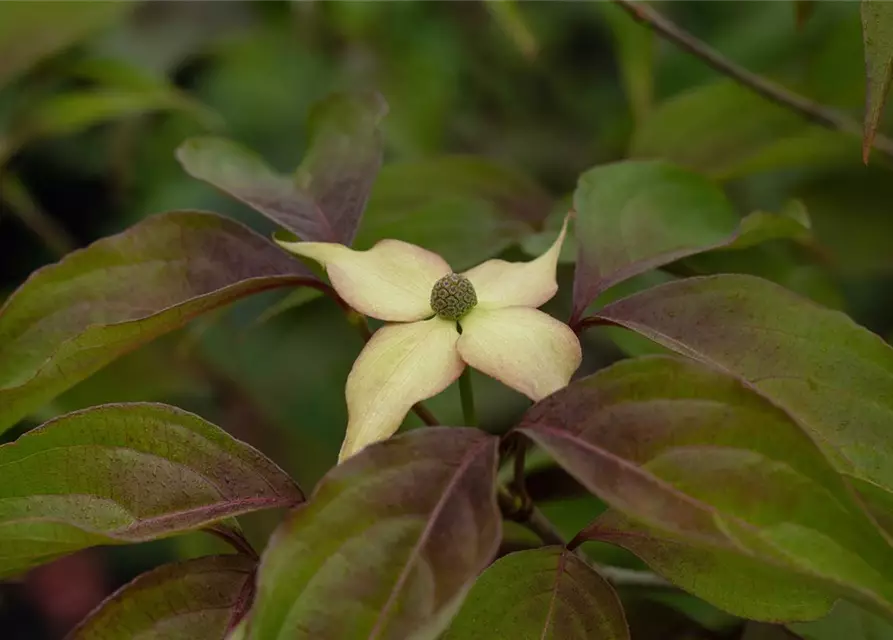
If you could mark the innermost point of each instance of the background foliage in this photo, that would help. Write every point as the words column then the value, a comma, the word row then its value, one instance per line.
column 496, row 110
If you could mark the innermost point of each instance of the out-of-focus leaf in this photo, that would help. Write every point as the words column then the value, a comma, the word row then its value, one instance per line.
column 695, row 454
column 877, row 34
column 833, row 376
column 508, row 16
column 72, row 318
column 846, row 620
column 728, row 578
column 199, row 598
column 760, row 226
column 155, row 372
column 635, row 216
column 466, row 209
column 30, row 32
column 851, row 219
column 634, row 49
column 546, row 593
column 126, row 473
column 536, row 244
column 325, row 199
column 292, row 300
column 388, row 545
column 727, row 131
column 803, row 10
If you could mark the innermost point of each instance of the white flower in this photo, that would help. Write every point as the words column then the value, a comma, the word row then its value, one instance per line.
column 502, row 335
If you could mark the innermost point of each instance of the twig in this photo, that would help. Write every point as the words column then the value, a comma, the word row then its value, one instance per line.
column 537, row 523
column 812, row 111
column 236, row 539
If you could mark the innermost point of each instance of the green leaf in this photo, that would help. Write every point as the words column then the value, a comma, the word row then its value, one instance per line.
column 464, row 208
column 696, row 455
column 508, row 16
column 30, row 32
column 325, row 199
column 199, row 598
column 388, row 545
column 728, row 578
column 72, row 318
column 635, row 216
column 877, row 34
column 792, row 223
column 728, row 131
column 846, row 620
column 546, row 593
column 126, row 473
column 833, row 376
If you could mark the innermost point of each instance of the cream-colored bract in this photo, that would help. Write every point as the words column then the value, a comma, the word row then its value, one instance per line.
column 504, row 336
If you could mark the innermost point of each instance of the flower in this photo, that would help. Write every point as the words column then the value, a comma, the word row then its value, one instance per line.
column 486, row 318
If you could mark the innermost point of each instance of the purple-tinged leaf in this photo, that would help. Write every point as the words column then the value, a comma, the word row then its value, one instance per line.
column 635, row 216
column 388, row 545
column 324, row 200
column 877, row 34
column 126, row 473
column 70, row 319
column 201, row 598
column 541, row 594
column 696, row 455
column 728, row 578
column 833, row 376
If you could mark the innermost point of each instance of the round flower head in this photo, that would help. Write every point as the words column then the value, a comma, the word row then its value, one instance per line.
column 494, row 305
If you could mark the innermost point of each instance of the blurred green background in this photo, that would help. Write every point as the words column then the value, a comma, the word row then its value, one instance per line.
column 496, row 108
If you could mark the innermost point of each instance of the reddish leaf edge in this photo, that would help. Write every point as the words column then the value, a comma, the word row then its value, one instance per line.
column 215, row 528
column 231, row 293
column 686, row 352
column 242, row 607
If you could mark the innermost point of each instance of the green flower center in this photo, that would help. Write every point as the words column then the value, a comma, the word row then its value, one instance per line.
column 453, row 296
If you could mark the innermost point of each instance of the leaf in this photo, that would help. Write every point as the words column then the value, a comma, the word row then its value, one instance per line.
column 696, row 455
column 728, row 578
column 846, row 620
column 728, row 131
column 31, row 32
column 877, row 35
column 388, row 545
column 125, row 473
column 464, row 208
column 72, row 318
column 792, row 223
column 199, row 598
column 510, row 20
column 546, row 593
column 635, row 216
column 324, row 201
column 833, row 376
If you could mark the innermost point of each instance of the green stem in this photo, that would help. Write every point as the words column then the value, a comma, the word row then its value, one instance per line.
column 467, row 394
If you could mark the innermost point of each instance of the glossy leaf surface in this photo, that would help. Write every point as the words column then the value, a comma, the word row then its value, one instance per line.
column 70, row 319
column 541, row 594
column 199, row 598
column 388, row 545
column 126, row 473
